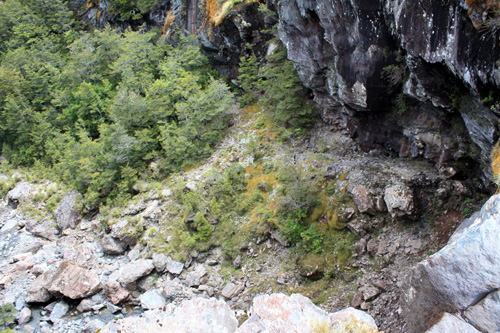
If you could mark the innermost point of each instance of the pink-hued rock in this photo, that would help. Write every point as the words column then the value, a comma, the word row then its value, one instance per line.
column 116, row 293
column 73, row 282
column 362, row 199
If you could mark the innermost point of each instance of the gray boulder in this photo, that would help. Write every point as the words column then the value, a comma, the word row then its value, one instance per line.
column 193, row 279
column 451, row 323
column 399, row 200
column 45, row 229
column 195, row 315
column 486, row 314
column 459, row 275
column 112, row 245
column 362, row 199
column 66, row 213
column 93, row 326
column 134, row 270
column 59, row 311
column 19, row 193
column 152, row 300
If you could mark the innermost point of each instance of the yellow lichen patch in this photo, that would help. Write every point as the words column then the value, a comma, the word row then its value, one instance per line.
column 495, row 163
column 259, row 188
column 169, row 20
column 216, row 11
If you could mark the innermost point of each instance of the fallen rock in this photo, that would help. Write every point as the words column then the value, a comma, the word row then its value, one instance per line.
column 171, row 289
column 152, row 300
column 122, row 231
column 275, row 234
column 85, row 305
column 93, row 326
column 459, row 275
column 399, row 200
column 59, row 311
column 10, row 225
column 115, row 293
column 37, row 293
column 73, row 282
column 485, row 315
column 296, row 313
column 360, row 246
column 174, row 267
column 24, row 316
column 18, row 193
column 362, row 199
column 66, row 213
column 232, row 289
column 112, row 245
column 193, row 279
column 195, row 315
column 135, row 270
column 44, row 229
column 451, row 323
column 160, row 262
column 369, row 292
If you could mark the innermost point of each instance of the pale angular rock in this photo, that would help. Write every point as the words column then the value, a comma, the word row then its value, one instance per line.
column 360, row 246
column 93, row 326
column 112, row 245
column 160, row 262
column 116, row 293
column 297, row 314
column 18, row 193
column 172, row 289
column 73, row 282
column 232, row 289
column 120, row 231
column 44, row 229
column 399, row 200
column 59, row 311
column 362, row 199
column 195, row 315
column 135, row 270
column 66, row 213
column 85, row 305
column 451, row 323
column 486, row 314
column 277, row 237
column 193, row 279
column 10, row 225
column 459, row 275
column 174, row 267
column 37, row 293
column 152, row 300
column 24, row 316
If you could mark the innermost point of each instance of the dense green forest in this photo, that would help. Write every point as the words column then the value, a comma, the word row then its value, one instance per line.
column 96, row 109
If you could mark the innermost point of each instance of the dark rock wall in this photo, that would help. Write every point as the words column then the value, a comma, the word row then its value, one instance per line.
column 344, row 52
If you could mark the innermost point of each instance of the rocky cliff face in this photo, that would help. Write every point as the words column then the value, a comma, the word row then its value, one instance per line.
column 426, row 59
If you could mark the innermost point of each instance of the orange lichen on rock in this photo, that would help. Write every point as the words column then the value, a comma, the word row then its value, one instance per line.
column 495, row 163
column 169, row 20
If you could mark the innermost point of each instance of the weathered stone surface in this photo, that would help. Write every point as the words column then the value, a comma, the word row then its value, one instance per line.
column 93, row 326
column 152, row 300
column 45, row 229
column 296, row 313
column 172, row 289
column 486, row 314
column 59, row 311
column 232, row 289
column 193, row 279
column 73, row 282
column 10, row 225
column 66, row 213
column 134, row 270
column 451, row 323
column 112, row 245
column 116, row 293
column 24, row 316
column 123, row 231
column 362, row 199
column 37, row 293
column 165, row 263
column 196, row 315
column 18, row 193
column 399, row 200
column 457, row 276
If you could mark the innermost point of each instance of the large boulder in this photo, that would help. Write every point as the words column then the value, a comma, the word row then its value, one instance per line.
column 19, row 193
column 195, row 315
column 73, row 282
column 296, row 313
column 451, row 323
column 134, row 270
column 399, row 200
column 457, row 277
column 66, row 213
column 110, row 245
column 362, row 199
